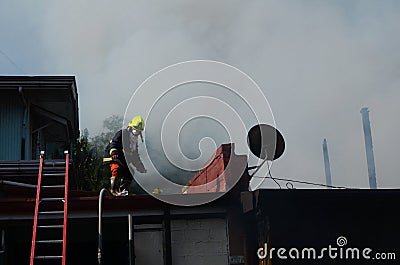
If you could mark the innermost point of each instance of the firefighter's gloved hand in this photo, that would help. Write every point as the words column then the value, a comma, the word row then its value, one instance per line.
column 114, row 156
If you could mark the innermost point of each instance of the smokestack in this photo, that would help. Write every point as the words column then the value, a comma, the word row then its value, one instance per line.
column 368, row 147
column 327, row 164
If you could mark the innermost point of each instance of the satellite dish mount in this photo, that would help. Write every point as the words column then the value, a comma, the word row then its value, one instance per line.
column 265, row 142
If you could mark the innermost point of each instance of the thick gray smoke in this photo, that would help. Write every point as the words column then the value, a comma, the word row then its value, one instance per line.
column 318, row 63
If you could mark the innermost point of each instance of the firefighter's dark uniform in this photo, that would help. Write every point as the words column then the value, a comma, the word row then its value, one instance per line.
column 121, row 177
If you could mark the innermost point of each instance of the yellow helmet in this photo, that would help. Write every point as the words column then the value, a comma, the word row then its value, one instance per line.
column 137, row 123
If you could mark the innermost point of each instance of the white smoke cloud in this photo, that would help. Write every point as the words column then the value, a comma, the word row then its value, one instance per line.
column 318, row 63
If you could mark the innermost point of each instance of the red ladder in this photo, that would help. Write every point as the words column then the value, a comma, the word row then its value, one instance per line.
column 49, row 201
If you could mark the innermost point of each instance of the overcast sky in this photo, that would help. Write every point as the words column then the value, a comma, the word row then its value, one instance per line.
column 317, row 62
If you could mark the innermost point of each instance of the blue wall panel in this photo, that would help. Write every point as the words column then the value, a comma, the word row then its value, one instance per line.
column 11, row 131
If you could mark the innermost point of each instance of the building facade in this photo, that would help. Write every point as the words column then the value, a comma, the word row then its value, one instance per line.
column 37, row 113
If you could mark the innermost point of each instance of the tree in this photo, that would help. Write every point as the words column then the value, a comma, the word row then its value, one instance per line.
column 89, row 172
column 110, row 126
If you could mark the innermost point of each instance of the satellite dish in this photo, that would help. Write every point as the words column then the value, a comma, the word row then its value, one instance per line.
column 265, row 142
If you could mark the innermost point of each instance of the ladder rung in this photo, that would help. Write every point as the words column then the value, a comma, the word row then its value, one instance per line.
column 53, row 186
column 49, row 169
column 48, row 257
column 52, row 212
column 50, row 226
column 53, row 174
column 49, row 241
column 51, row 199
column 53, row 163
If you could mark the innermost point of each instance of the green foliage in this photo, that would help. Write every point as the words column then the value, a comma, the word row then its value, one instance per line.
column 113, row 123
column 89, row 172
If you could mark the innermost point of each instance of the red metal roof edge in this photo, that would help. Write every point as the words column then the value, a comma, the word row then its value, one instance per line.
column 89, row 204
column 223, row 172
column 224, row 150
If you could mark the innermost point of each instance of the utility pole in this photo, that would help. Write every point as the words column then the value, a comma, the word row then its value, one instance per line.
column 327, row 165
column 369, row 148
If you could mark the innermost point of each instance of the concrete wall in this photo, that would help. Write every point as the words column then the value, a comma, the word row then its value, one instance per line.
column 149, row 247
column 199, row 241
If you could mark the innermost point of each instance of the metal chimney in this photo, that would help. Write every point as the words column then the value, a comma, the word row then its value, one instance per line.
column 327, row 164
column 368, row 147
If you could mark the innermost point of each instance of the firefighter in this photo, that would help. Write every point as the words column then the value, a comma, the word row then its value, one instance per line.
column 118, row 158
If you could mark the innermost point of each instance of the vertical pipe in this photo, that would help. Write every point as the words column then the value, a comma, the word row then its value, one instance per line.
column 369, row 148
column 3, row 241
column 2, row 247
column 167, row 238
column 24, row 125
column 327, row 165
column 131, row 240
column 100, row 237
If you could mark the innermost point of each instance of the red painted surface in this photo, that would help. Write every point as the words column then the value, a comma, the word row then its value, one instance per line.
column 220, row 173
column 36, row 211
column 64, row 250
